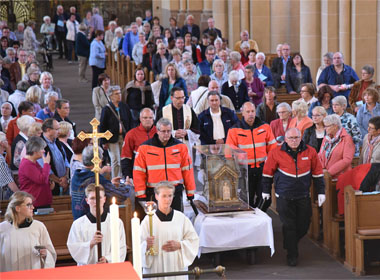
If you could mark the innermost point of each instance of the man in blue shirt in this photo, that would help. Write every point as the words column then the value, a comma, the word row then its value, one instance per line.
column 130, row 39
column 339, row 76
column 205, row 67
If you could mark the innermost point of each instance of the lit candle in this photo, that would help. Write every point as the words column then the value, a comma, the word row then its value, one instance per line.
column 136, row 245
column 115, row 236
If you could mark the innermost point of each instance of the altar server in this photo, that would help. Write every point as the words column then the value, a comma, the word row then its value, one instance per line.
column 83, row 237
column 174, row 238
column 24, row 243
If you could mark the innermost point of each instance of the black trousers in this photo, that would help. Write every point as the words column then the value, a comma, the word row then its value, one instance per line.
column 177, row 200
column 95, row 74
column 295, row 217
column 61, row 40
column 255, row 189
column 70, row 48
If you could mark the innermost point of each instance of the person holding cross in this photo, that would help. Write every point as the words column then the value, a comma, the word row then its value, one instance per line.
column 84, row 236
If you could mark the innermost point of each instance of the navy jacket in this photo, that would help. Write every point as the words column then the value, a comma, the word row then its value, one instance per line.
column 266, row 72
column 82, row 45
column 195, row 31
column 164, row 94
column 292, row 82
column 229, row 118
column 237, row 98
column 157, row 63
column 204, row 68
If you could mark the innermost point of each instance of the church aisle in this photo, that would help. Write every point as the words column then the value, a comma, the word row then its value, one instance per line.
column 314, row 262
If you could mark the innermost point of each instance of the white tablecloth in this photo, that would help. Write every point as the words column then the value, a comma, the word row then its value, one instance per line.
column 237, row 231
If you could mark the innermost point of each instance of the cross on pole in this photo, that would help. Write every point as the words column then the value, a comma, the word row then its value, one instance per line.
column 95, row 136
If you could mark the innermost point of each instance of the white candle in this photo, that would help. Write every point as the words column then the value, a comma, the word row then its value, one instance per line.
column 136, row 245
column 115, row 235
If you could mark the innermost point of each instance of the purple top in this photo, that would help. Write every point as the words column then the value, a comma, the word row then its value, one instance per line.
column 34, row 179
column 258, row 87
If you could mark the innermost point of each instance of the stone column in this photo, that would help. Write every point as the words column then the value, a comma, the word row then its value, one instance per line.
column 169, row 9
column 244, row 15
column 329, row 26
column 345, row 29
column 233, row 22
column 156, row 9
column 207, row 12
column 260, row 23
column 364, row 47
column 195, row 7
column 182, row 12
column 219, row 12
column 310, row 34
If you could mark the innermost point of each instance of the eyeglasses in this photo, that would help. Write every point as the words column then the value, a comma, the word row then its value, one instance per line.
column 283, row 112
column 179, row 97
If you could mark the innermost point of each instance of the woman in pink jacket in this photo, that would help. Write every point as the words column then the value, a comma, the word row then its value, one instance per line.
column 337, row 150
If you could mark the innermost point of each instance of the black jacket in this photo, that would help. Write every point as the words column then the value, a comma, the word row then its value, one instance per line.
column 157, row 64
column 310, row 138
column 229, row 118
column 237, row 98
column 108, row 121
column 215, row 29
column 277, row 69
column 59, row 119
column 195, row 31
column 82, row 45
column 146, row 61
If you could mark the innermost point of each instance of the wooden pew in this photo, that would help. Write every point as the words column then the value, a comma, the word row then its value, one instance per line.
column 59, row 203
column 361, row 223
column 315, row 214
column 288, row 98
column 331, row 232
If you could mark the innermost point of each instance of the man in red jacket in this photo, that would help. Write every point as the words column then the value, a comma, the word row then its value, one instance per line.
column 292, row 166
column 134, row 138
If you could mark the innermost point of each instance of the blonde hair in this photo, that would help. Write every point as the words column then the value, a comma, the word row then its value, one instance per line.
column 300, row 107
column 91, row 188
column 170, row 64
column 64, row 129
column 163, row 185
column 35, row 129
column 320, row 110
column 16, row 199
column 33, row 94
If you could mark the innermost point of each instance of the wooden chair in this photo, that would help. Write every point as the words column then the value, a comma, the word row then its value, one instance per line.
column 362, row 223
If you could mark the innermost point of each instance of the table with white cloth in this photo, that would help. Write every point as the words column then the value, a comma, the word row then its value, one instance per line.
column 234, row 230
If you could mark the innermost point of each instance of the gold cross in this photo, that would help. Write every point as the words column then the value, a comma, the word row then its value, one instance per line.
column 95, row 136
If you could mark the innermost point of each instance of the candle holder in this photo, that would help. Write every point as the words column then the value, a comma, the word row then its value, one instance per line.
column 150, row 208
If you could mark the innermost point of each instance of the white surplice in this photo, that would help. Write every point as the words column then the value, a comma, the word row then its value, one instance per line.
column 17, row 250
column 179, row 229
column 81, row 233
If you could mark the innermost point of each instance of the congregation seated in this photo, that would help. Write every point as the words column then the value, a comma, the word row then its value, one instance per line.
column 49, row 110
column 47, row 81
column 297, row 73
column 267, row 110
column 337, row 150
column 327, row 61
column 235, row 89
column 215, row 121
column 236, row 64
column 205, row 67
column 370, row 152
column 254, row 85
column 83, row 236
column 160, row 60
column 307, row 94
column 300, row 119
column 325, row 96
column 244, row 37
column 314, row 135
column 219, row 72
column 281, row 125
column 262, row 71
column 369, row 109
column 189, row 75
column 348, row 121
column 280, row 65
column 21, row 235
column 244, row 52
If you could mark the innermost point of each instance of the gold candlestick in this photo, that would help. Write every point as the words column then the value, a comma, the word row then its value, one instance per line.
column 150, row 208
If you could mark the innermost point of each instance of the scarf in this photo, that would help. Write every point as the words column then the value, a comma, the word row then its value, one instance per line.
column 330, row 143
column 371, row 142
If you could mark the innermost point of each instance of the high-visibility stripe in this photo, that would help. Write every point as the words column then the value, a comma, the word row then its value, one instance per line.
column 272, row 142
column 153, row 185
column 190, row 192
column 317, row 176
column 251, row 161
column 266, row 175
column 140, row 193
column 293, row 175
column 187, row 167
column 250, row 146
column 162, row 166
column 138, row 168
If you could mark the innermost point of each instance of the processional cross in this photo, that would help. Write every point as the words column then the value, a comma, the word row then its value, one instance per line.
column 95, row 136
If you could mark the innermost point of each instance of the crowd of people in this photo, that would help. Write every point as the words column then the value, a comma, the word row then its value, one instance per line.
column 200, row 88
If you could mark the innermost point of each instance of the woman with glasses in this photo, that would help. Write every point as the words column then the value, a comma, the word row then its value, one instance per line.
column 370, row 109
column 24, row 243
column 307, row 94
column 33, row 178
column 337, row 150
column 371, row 144
column 280, row 126
column 314, row 135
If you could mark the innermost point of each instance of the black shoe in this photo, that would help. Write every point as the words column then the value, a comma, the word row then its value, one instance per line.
column 292, row 261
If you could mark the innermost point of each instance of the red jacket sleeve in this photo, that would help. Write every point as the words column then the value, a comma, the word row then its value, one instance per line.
column 140, row 173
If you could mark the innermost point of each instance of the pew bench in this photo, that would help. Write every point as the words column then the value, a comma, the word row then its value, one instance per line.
column 361, row 223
